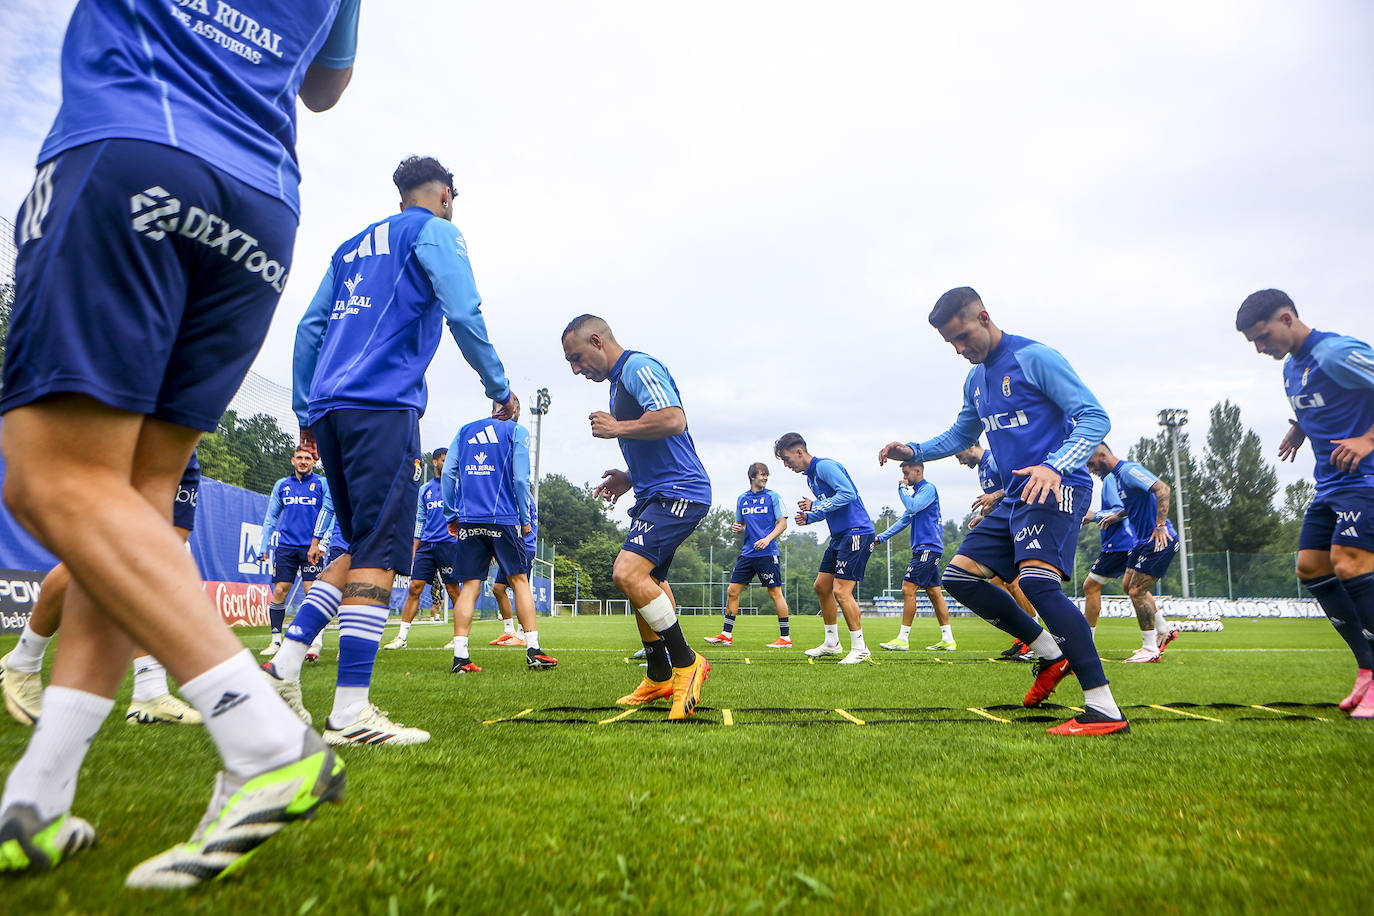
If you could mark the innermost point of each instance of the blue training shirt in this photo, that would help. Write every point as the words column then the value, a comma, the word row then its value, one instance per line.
column 989, row 478
column 667, row 467
column 760, row 513
column 215, row 80
column 292, row 510
column 486, row 479
column 371, row 331
column 1121, row 535
column 1034, row 409
column 327, row 526
column 430, row 524
column 922, row 513
column 837, row 499
column 1330, row 383
column 1142, row 507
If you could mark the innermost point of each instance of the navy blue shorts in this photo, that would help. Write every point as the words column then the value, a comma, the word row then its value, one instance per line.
column 372, row 462
column 436, row 557
column 334, row 553
column 846, row 557
column 188, row 493
column 924, row 570
column 288, row 561
column 1111, row 564
column 501, row 577
column 478, row 545
column 146, row 279
column 1345, row 517
column 1147, row 561
column 766, row 568
column 658, row 526
column 1014, row 532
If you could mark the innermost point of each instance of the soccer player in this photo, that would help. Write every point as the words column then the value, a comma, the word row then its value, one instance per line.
column 500, row 590
column 486, row 503
column 152, row 251
column 672, row 496
column 1042, row 422
column 990, row 479
column 1118, row 538
column 760, row 516
column 21, row 669
column 922, row 514
column 292, row 511
column 434, row 551
column 362, row 348
column 1329, row 380
column 1146, row 499
column 838, row 504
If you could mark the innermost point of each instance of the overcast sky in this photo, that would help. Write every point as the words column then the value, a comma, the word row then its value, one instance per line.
column 769, row 197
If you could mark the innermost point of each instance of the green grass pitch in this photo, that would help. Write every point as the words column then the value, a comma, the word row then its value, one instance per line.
column 537, row 795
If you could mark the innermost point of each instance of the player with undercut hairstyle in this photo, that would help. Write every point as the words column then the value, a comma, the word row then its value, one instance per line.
column 672, row 496
column 1118, row 539
column 153, row 249
column 1329, row 380
column 1146, row 500
column 362, row 348
column 760, row 517
column 837, row 503
column 922, row 515
column 434, row 553
column 1042, row 422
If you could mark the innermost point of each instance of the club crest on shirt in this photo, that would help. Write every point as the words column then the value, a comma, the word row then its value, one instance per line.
column 1304, row 376
column 418, row 473
column 1006, row 386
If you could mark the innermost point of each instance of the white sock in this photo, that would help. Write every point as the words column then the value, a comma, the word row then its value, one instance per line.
column 658, row 614
column 46, row 775
column 1100, row 698
column 1092, row 631
column 904, row 632
column 1161, row 622
column 532, row 639
column 460, row 647
column 832, row 634
column 405, row 631
column 28, row 655
column 349, row 705
column 1149, row 639
column 252, row 727
column 317, row 643
column 150, row 679
column 1045, row 646
column 947, row 633
column 289, row 659
column 856, row 640
column 509, row 625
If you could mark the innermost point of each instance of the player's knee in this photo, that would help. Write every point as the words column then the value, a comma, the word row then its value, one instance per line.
column 822, row 588
column 1346, row 566
column 1138, row 590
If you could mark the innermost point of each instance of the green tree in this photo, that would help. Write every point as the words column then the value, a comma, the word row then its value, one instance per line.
column 216, row 462
column 569, row 516
column 1237, row 487
column 261, row 445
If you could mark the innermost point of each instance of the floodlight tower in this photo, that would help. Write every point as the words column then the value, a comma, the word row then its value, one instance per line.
column 1173, row 419
column 541, row 407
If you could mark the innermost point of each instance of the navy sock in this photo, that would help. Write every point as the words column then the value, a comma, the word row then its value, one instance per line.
column 1361, row 592
column 1045, row 591
column 991, row 603
column 1339, row 606
column 276, row 615
column 679, row 652
column 729, row 625
column 785, row 625
column 656, row 654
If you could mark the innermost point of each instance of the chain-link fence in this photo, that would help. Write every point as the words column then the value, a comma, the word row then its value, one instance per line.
column 8, row 253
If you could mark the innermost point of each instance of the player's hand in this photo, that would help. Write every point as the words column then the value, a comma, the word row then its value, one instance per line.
column 985, row 503
column 737, row 527
column 973, row 522
column 1292, row 442
column 804, row 504
column 308, row 443
column 508, row 410
column 452, row 528
column 525, row 530
column 313, row 555
column 1161, row 537
column 1042, row 482
column 615, row 483
column 800, row 518
column 1348, row 453
column 762, row 544
column 896, row 451
column 1108, row 521
column 603, row 424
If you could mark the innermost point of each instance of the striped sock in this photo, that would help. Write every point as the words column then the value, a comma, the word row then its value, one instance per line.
column 785, row 626
column 360, row 633
column 729, row 625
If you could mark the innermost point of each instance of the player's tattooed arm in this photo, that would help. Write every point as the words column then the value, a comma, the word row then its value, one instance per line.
column 368, row 591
